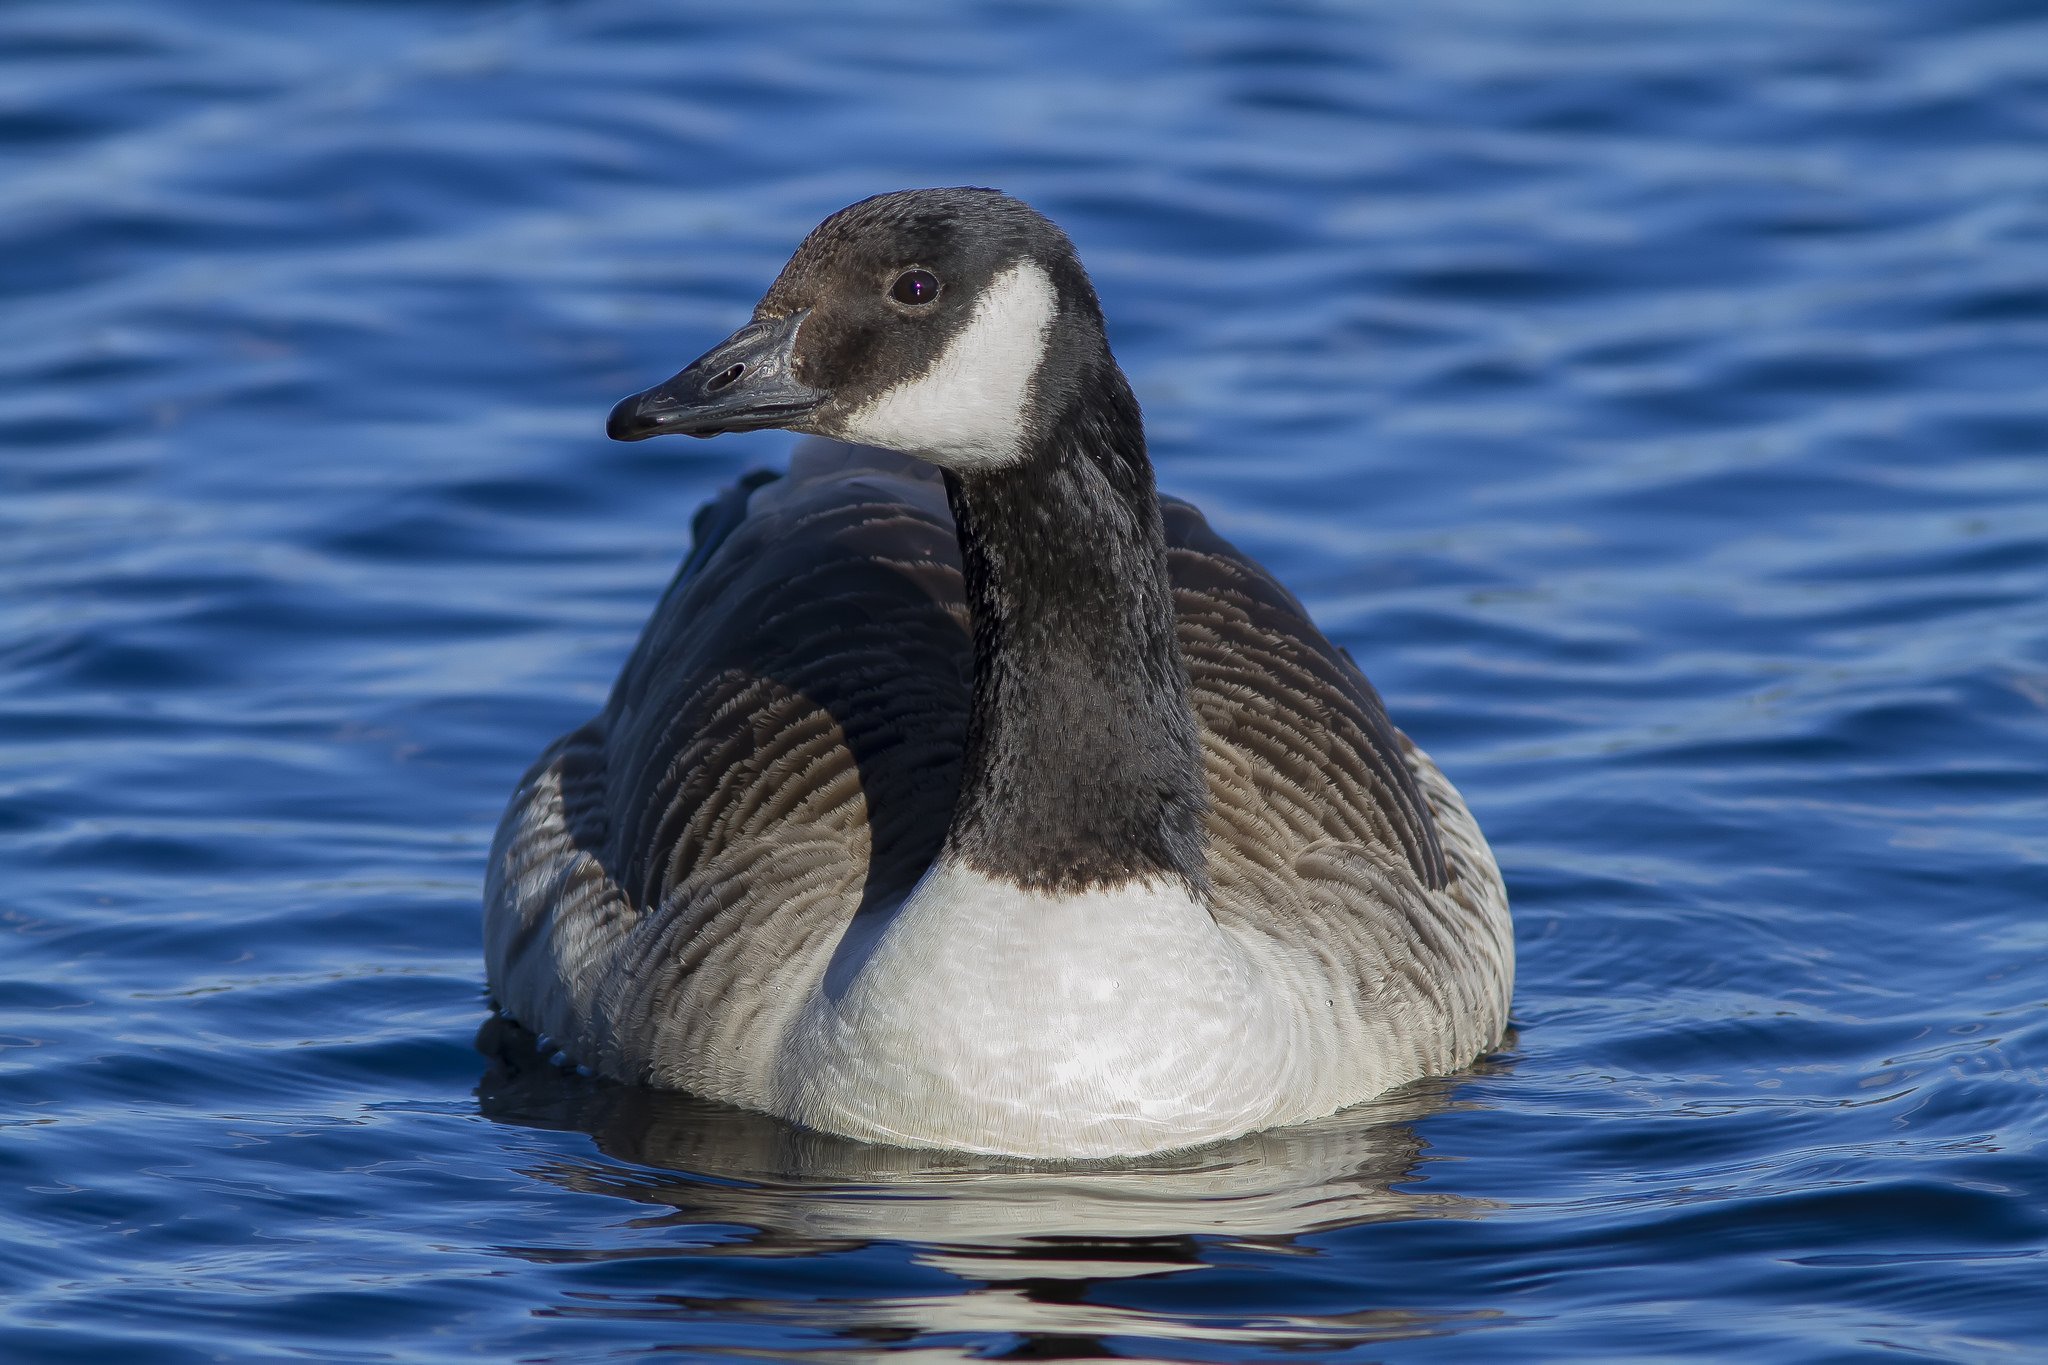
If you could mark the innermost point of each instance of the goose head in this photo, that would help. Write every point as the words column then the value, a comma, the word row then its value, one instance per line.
column 953, row 325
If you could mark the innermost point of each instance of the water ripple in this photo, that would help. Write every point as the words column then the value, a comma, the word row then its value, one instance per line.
column 1649, row 397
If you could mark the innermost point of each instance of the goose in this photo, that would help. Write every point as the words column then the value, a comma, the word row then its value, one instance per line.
column 962, row 792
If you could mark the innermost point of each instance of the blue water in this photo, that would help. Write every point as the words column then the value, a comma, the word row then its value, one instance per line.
column 1653, row 398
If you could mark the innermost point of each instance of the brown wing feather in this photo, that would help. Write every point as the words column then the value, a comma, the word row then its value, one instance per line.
column 780, row 750
column 1328, row 828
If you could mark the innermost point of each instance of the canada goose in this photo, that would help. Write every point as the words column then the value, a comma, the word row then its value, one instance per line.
column 982, row 799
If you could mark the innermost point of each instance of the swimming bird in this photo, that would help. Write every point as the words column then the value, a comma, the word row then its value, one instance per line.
column 962, row 791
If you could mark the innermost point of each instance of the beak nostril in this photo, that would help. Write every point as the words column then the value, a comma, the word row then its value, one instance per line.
column 742, row 384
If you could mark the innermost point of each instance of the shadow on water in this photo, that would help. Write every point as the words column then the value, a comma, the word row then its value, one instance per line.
column 1018, row 1246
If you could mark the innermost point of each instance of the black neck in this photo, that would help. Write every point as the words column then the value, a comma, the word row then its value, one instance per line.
column 1083, row 764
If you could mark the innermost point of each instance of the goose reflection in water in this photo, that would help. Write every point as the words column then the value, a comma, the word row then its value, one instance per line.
column 1030, row 1242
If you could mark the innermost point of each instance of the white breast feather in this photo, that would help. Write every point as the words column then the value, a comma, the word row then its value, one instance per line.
column 985, row 1017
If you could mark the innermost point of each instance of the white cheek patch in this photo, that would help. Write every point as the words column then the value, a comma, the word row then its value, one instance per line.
column 967, row 410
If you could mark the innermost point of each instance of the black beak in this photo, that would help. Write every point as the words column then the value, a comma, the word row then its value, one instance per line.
column 741, row 384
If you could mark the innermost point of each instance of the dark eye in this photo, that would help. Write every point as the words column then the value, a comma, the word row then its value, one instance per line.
column 915, row 287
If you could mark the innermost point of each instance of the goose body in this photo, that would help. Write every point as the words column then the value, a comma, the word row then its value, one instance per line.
column 968, row 794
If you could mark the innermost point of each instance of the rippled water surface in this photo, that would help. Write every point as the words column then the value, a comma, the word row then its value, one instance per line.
column 1653, row 398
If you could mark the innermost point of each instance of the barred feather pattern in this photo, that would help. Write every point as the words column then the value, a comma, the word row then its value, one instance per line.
column 781, row 755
